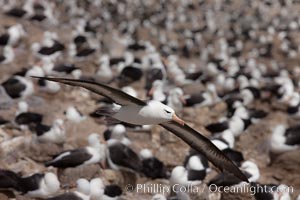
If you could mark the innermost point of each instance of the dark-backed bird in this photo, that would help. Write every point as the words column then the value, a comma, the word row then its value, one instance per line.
column 52, row 134
column 136, row 111
column 152, row 167
column 93, row 153
column 18, row 86
column 285, row 139
column 123, row 157
column 37, row 185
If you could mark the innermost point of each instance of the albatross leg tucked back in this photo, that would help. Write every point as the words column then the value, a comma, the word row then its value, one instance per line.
column 138, row 112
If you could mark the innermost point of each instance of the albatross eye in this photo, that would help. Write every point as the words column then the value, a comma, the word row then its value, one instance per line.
column 167, row 111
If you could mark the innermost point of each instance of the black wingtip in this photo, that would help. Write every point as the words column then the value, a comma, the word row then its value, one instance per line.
column 242, row 176
column 40, row 77
column 36, row 77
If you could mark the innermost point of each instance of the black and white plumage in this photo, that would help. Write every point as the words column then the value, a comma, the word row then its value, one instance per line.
column 49, row 50
column 16, row 12
column 271, row 191
column 157, row 72
column 265, row 194
column 40, row 185
column 9, row 180
column 52, row 134
column 180, row 175
column 82, row 192
column 236, row 125
column 136, row 46
column 152, row 167
column 293, row 104
column 203, row 159
column 157, row 92
column 249, row 94
column 236, row 156
column 18, row 86
column 106, row 192
column 85, row 52
column 249, row 168
column 136, row 111
column 129, row 74
column 74, row 115
column 118, row 132
column 196, row 169
column 121, row 156
column 36, row 186
column 94, row 153
column 198, row 98
column 205, row 98
column 256, row 115
column 112, row 192
column 12, row 36
column 48, row 86
column 27, row 118
column 217, row 127
column 64, row 68
column 285, row 139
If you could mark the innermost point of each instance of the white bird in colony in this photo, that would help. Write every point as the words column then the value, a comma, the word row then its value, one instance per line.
column 40, row 185
column 176, row 99
column 180, row 175
column 35, row 71
column 53, row 134
column 96, row 188
column 82, row 192
column 138, row 112
column 83, row 186
column 104, row 71
column 285, row 139
column 48, row 86
column 157, row 91
column 13, row 35
column 74, row 115
column 118, row 132
column 129, row 90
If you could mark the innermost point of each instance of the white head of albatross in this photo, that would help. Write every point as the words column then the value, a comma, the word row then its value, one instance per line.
column 154, row 112
column 160, row 112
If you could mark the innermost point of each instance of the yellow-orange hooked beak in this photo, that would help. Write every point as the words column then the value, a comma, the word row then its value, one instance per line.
column 177, row 119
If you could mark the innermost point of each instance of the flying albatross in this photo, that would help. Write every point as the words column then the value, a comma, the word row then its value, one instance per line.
column 138, row 112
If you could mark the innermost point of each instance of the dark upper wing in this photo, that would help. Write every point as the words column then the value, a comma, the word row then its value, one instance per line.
column 204, row 146
column 75, row 158
column 122, row 155
column 115, row 95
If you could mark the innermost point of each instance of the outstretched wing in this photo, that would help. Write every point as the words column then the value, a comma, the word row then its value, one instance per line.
column 115, row 95
column 204, row 146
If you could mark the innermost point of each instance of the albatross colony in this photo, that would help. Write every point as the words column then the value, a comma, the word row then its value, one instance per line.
column 131, row 110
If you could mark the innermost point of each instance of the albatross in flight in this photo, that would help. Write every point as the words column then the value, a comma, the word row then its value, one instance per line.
column 138, row 112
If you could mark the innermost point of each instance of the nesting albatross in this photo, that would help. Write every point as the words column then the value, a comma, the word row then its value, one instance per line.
column 138, row 112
